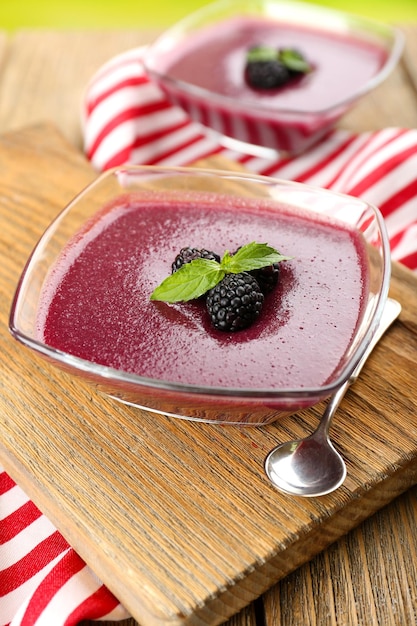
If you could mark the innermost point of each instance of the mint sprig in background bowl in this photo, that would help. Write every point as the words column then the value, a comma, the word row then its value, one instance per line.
column 251, row 376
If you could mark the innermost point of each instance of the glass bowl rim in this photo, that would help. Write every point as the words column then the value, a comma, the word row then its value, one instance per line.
column 106, row 373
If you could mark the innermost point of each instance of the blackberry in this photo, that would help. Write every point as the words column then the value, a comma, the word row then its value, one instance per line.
column 186, row 255
column 267, row 277
column 266, row 74
column 235, row 302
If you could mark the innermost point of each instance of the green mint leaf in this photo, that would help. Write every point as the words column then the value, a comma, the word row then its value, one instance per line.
column 251, row 256
column 194, row 279
column 294, row 60
column 191, row 281
column 261, row 53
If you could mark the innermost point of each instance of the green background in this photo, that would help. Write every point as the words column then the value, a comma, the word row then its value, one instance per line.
column 16, row 14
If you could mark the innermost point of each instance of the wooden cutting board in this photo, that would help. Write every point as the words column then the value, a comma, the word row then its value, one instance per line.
column 178, row 518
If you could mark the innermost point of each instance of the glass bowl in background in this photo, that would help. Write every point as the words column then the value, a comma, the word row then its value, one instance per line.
column 200, row 65
column 117, row 190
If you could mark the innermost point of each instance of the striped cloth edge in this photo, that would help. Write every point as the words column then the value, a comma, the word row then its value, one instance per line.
column 43, row 581
column 127, row 120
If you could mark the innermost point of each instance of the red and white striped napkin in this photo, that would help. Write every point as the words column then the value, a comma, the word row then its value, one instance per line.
column 43, row 582
column 127, row 119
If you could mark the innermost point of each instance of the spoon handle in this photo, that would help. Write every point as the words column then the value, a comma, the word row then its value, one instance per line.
column 391, row 311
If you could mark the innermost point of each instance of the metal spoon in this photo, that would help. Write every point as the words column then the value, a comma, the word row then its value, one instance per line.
column 312, row 466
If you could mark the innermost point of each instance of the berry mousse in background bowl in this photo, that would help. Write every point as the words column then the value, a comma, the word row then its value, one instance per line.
column 213, row 296
column 274, row 74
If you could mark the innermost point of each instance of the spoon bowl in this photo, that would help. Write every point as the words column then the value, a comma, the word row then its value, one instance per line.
column 312, row 466
column 307, row 467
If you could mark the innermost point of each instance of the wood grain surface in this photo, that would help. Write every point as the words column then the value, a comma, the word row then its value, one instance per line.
column 178, row 518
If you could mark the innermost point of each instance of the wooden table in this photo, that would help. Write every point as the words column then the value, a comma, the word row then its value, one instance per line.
column 369, row 576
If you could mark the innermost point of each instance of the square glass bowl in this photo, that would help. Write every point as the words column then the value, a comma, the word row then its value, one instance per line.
column 169, row 206
column 200, row 65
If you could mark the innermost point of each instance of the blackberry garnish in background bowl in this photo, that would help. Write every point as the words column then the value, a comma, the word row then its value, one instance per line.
column 269, row 68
